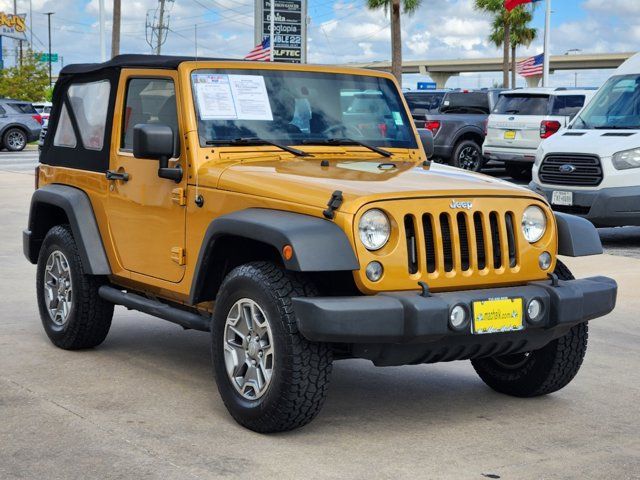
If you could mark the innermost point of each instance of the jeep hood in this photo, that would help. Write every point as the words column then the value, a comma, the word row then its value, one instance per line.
column 308, row 182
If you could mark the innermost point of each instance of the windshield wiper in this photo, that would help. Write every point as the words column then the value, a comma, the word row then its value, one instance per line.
column 347, row 141
column 258, row 141
column 513, row 111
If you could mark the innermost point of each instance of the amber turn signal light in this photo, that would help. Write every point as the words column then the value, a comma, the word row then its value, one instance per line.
column 287, row 252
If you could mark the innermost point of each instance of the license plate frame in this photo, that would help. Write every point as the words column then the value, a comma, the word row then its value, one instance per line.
column 510, row 135
column 506, row 314
column 562, row 198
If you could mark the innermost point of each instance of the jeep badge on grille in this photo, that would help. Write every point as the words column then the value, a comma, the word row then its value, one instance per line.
column 455, row 204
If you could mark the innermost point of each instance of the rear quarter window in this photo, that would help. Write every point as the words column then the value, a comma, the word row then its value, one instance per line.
column 567, row 105
column 522, row 105
column 23, row 107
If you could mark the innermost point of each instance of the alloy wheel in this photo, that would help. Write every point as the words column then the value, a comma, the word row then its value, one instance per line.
column 469, row 158
column 16, row 140
column 58, row 288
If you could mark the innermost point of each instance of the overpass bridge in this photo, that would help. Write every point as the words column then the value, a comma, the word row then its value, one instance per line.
column 441, row 70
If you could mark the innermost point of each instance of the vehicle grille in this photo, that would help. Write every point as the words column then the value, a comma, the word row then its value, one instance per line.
column 586, row 172
column 463, row 241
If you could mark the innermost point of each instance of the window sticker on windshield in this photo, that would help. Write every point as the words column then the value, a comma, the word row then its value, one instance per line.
column 251, row 97
column 397, row 118
column 214, row 97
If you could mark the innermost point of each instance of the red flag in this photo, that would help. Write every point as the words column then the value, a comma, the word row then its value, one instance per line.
column 511, row 4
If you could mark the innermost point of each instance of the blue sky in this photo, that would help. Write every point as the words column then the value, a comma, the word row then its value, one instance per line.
column 343, row 31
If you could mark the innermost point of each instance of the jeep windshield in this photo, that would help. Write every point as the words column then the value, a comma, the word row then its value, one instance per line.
column 287, row 107
column 616, row 106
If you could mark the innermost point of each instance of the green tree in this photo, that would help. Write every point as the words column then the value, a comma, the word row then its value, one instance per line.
column 499, row 37
column 28, row 81
column 394, row 6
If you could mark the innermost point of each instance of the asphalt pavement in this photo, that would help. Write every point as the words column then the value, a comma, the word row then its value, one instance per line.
column 144, row 405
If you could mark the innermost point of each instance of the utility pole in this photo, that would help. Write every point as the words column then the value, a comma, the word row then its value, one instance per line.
column 115, row 31
column 103, row 45
column 158, row 25
column 15, row 13
column 48, row 14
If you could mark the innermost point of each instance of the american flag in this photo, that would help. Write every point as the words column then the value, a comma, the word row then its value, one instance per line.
column 262, row 52
column 531, row 66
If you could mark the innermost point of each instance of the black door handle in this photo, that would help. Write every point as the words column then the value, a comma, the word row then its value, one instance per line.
column 111, row 175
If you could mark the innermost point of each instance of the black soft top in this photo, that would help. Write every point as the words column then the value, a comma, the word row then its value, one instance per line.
column 136, row 61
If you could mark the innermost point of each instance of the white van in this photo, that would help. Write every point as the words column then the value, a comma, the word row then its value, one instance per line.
column 592, row 168
column 523, row 118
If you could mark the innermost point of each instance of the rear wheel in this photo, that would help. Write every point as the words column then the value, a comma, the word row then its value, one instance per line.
column 538, row 372
column 14, row 140
column 468, row 156
column 72, row 313
column 270, row 378
column 518, row 171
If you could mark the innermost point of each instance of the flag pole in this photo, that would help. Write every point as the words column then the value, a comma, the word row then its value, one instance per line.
column 547, row 41
column 272, row 29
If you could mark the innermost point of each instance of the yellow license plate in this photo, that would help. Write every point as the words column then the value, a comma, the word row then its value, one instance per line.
column 497, row 315
column 509, row 135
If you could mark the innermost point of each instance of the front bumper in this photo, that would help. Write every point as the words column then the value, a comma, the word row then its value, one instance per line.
column 400, row 328
column 605, row 207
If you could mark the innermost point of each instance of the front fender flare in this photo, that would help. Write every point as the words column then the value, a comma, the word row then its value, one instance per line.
column 319, row 245
column 577, row 237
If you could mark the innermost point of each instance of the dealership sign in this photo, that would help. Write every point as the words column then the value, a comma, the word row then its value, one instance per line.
column 290, row 28
column 14, row 26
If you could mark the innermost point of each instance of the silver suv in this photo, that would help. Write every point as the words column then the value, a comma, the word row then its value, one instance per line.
column 20, row 124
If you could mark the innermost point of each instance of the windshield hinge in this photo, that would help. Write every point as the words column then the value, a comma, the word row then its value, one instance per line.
column 179, row 197
column 178, row 255
column 333, row 204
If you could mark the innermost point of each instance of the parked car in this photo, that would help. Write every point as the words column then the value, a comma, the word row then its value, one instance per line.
column 592, row 168
column 44, row 109
column 424, row 102
column 523, row 118
column 459, row 127
column 181, row 188
column 20, row 124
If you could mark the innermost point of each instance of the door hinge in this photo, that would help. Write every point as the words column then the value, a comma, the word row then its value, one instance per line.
column 178, row 255
column 179, row 197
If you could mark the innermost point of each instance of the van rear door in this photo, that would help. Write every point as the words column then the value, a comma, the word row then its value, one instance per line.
column 515, row 121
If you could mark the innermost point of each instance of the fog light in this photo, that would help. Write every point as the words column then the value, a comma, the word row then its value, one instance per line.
column 458, row 317
column 534, row 310
column 374, row 271
column 544, row 260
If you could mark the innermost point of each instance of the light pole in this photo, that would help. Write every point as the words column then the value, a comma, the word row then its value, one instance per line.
column 48, row 14
column 575, row 74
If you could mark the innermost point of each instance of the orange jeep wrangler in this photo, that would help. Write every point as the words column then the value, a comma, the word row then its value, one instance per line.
column 291, row 211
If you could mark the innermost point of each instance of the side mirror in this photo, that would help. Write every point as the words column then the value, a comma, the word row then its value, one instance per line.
column 157, row 142
column 426, row 137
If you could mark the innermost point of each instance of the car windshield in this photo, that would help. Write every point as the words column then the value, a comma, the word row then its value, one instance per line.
column 522, row 105
column 295, row 108
column 615, row 106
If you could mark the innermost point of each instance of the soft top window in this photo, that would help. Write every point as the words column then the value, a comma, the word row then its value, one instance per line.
column 89, row 102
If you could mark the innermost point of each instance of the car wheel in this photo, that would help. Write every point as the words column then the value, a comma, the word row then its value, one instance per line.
column 72, row 313
column 15, row 140
column 519, row 172
column 538, row 372
column 468, row 156
column 270, row 378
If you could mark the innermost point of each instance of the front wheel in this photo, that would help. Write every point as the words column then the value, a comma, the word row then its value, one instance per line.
column 468, row 156
column 539, row 372
column 270, row 378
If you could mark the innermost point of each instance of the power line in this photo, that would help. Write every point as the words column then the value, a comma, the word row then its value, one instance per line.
column 157, row 25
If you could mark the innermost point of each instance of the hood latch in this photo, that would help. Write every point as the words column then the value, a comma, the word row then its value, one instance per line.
column 333, row 204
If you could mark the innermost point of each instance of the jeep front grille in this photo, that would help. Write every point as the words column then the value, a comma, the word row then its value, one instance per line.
column 462, row 241
column 572, row 170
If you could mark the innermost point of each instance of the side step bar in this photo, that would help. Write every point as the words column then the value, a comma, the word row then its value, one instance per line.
column 157, row 309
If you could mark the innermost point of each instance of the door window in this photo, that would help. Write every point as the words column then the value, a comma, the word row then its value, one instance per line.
column 90, row 102
column 567, row 105
column 149, row 100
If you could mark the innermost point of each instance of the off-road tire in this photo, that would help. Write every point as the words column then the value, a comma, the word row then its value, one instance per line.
column 11, row 145
column 302, row 369
column 90, row 316
column 518, row 171
column 542, row 371
column 460, row 149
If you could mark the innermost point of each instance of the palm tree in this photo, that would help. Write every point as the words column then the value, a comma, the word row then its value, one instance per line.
column 408, row 6
column 499, row 37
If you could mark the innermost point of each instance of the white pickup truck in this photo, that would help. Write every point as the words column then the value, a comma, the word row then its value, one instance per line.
column 592, row 168
column 523, row 118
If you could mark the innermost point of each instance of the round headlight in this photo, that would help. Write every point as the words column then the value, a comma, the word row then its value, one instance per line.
column 534, row 223
column 374, row 228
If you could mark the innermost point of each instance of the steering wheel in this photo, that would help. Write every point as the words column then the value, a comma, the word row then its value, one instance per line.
column 347, row 131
